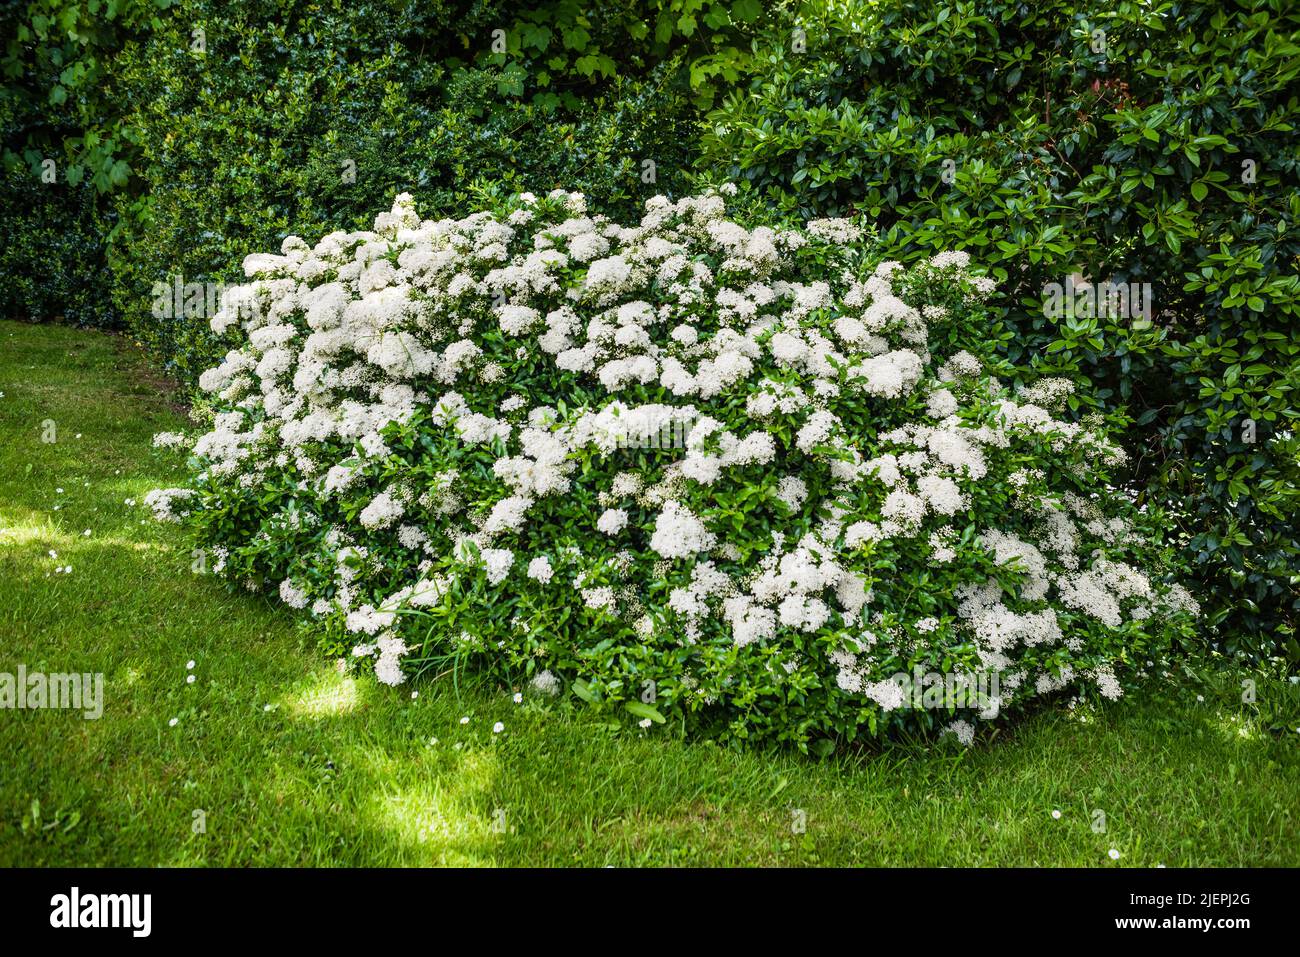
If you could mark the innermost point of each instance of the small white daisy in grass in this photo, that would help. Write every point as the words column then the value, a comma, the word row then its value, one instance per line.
column 498, row 727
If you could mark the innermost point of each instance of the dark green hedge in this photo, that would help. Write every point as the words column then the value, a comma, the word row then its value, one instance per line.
column 215, row 127
column 302, row 118
column 52, row 249
column 1051, row 139
column 52, row 257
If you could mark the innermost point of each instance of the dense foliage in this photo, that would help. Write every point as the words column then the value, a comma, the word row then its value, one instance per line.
column 52, row 262
column 745, row 476
column 216, row 127
column 59, row 146
column 1138, row 143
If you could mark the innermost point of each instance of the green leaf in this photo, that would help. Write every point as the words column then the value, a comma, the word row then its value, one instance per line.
column 643, row 710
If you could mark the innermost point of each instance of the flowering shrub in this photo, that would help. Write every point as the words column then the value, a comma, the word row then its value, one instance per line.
column 744, row 476
column 1122, row 142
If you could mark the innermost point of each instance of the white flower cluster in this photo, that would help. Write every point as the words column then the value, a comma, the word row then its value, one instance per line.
column 697, row 411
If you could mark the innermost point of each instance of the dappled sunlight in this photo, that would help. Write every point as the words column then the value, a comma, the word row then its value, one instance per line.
column 1234, row 727
column 30, row 532
column 324, row 694
column 44, row 550
column 441, row 820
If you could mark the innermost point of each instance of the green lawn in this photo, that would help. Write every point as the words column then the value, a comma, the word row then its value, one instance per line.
column 294, row 764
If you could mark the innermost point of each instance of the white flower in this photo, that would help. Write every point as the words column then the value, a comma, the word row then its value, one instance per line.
column 679, row 534
column 168, row 504
column 539, row 569
column 497, row 561
column 612, row 521
column 792, row 490
column 964, row 731
column 167, row 440
column 546, row 683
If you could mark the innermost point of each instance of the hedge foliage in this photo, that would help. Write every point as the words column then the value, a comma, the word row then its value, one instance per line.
column 218, row 127
column 1140, row 143
column 286, row 124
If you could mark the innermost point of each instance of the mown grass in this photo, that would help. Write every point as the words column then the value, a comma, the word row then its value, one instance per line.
column 292, row 763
